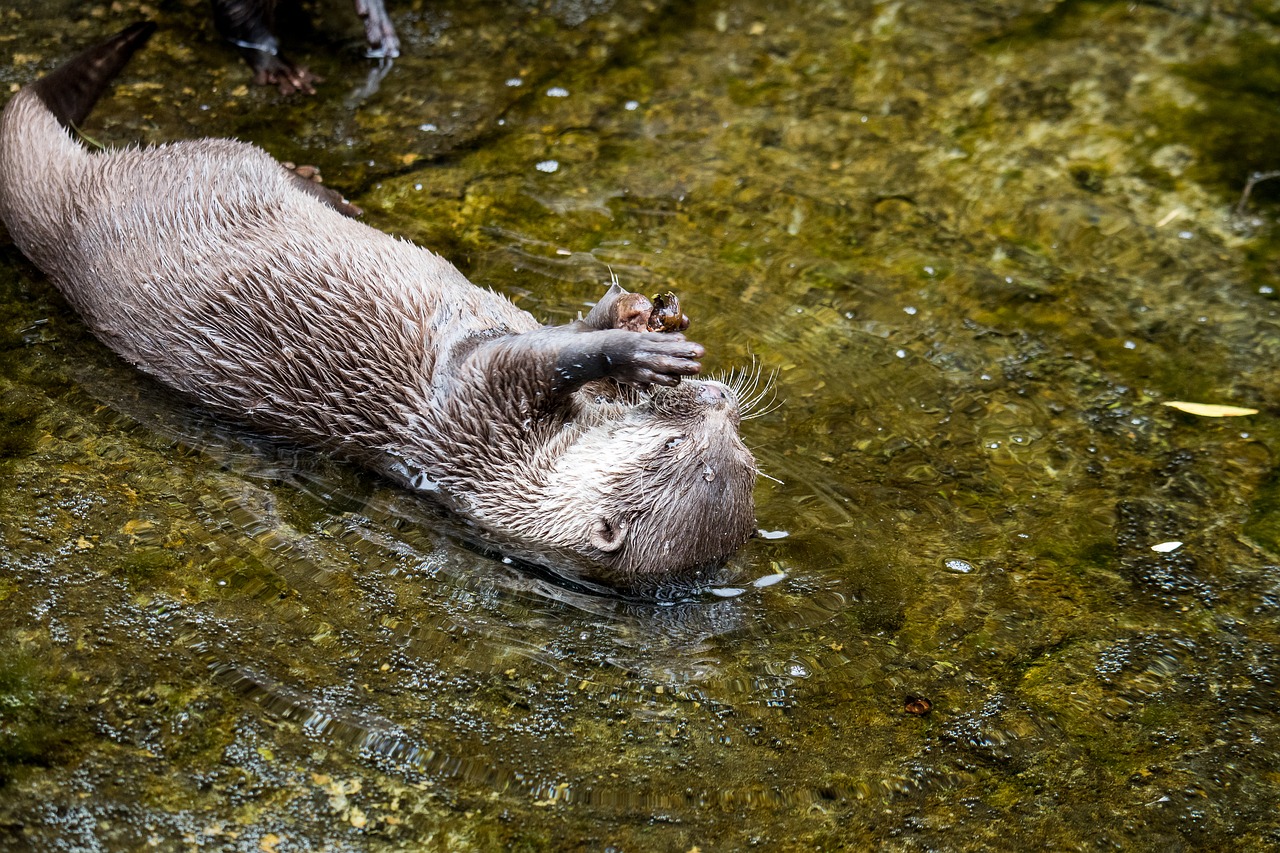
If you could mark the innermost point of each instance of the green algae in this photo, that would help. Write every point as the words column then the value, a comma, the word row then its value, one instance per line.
column 37, row 728
column 1235, row 126
column 1263, row 524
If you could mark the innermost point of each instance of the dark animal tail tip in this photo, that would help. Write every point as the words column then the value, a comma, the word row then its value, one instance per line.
column 74, row 87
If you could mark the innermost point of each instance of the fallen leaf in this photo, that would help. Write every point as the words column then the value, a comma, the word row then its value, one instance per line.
column 1208, row 410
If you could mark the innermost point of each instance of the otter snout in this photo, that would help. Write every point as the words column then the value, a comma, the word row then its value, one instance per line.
column 716, row 394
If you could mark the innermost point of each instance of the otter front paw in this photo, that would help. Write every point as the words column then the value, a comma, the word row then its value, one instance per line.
column 657, row 358
column 633, row 358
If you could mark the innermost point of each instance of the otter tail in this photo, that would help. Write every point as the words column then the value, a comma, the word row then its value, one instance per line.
column 71, row 91
column 41, row 161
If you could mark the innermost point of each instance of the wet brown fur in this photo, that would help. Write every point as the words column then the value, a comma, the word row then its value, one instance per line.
column 205, row 264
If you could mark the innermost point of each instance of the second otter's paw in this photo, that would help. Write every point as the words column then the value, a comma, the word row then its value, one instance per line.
column 269, row 70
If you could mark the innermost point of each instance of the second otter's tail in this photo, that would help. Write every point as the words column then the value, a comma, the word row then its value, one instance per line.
column 71, row 91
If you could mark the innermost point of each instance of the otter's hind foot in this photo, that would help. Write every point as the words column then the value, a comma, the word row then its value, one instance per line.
column 308, row 179
column 634, row 312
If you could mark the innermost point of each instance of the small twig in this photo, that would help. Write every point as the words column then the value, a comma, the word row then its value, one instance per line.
column 89, row 140
column 1254, row 179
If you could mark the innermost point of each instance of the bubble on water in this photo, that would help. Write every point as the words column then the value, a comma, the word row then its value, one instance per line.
column 1166, row 547
column 954, row 564
column 548, row 166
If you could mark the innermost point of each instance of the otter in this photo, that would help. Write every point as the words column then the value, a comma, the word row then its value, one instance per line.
column 250, row 26
column 210, row 266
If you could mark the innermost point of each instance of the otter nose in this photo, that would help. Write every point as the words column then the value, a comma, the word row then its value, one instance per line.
column 713, row 394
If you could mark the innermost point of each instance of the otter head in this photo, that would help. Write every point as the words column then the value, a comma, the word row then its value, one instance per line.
column 663, row 487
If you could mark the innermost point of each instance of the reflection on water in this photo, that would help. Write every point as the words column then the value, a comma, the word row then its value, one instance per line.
column 976, row 248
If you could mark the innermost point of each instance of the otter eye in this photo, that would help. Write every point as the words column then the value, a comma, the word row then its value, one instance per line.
column 673, row 443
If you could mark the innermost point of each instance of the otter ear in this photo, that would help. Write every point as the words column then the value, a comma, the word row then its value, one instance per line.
column 608, row 534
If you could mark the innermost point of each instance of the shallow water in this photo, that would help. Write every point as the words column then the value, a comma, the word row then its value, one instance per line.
column 979, row 248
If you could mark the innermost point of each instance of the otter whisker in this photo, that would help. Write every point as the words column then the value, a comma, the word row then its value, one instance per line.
column 764, row 398
column 756, row 393
column 773, row 406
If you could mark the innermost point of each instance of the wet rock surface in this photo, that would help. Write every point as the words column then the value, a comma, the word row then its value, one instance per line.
column 980, row 246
